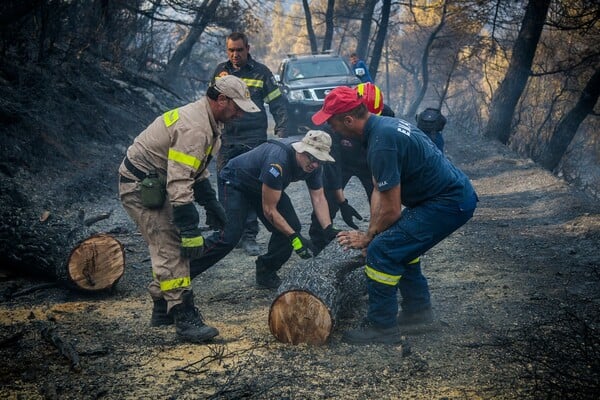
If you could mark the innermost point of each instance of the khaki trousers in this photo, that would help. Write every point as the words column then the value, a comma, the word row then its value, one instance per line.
column 170, row 271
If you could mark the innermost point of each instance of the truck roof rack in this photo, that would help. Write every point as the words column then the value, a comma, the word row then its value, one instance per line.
column 295, row 55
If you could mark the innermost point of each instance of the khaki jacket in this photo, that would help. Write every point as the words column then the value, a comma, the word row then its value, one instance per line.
column 179, row 145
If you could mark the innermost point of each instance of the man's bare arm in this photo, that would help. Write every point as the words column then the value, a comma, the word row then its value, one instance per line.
column 270, row 198
column 319, row 203
column 385, row 210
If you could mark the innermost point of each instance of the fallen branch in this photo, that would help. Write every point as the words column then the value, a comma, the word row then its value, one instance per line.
column 34, row 288
column 92, row 220
column 65, row 348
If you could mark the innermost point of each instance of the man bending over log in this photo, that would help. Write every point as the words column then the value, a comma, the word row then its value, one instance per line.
column 256, row 180
column 407, row 170
column 163, row 173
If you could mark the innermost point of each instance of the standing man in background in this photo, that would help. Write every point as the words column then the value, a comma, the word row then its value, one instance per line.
column 360, row 69
column 249, row 131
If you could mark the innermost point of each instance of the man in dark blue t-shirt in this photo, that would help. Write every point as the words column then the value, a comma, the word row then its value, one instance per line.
column 407, row 170
column 257, row 180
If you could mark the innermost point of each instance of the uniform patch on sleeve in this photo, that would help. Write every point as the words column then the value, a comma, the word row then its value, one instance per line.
column 276, row 170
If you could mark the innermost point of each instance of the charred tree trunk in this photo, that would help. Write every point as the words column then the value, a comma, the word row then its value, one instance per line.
column 205, row 14
column 58, row 248
column 315, row 294
column 312, row 38
column 567, row 128
column 509, row 92
column 380, row 39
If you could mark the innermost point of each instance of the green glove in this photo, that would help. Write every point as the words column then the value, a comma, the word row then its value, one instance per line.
column 186, row 218
column 300, row 245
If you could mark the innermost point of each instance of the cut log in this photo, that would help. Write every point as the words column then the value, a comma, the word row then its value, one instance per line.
column 97, row 263
column 59, row 247
column 314, row 294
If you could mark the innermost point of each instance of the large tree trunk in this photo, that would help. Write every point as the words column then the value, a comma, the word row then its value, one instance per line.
column 362, row 48
column 507, row 95
column 315, row 293
column 567, row 128
column 380, row 38
column 203, row 17
column 328, row 38
column 59, row 248
column 414, row 106
column 312, row 38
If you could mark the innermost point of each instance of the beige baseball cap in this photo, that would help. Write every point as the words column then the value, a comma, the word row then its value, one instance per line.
column 317, row 143
column 236, row 89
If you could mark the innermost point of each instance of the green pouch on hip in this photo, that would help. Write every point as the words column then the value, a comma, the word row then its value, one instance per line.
column 153, row 190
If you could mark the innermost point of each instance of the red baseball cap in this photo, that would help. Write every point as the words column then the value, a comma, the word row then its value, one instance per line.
column 340, row 100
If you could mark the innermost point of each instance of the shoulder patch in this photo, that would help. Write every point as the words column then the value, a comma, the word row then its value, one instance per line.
column 276, row 170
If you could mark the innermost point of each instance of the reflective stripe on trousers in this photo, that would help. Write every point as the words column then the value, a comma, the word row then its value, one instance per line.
column 170, row 271
column 391, row 252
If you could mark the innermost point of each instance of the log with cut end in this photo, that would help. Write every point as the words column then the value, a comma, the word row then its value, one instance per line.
column 59, row 247
column 96, row 263
column 314, row 294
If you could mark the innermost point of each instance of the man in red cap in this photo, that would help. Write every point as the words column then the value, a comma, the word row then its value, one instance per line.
column 350, row 161
column 407, row 171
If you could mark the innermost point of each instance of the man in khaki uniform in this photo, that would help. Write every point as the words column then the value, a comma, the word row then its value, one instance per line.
column 164, row 171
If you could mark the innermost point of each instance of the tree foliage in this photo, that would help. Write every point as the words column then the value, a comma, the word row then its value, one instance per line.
column 493, row 66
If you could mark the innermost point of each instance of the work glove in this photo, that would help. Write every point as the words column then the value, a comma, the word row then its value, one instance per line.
column 331, row 232
column 300, row 245
column 205, row 195
column 186, row 218
column 348, row 212
column 216, row 218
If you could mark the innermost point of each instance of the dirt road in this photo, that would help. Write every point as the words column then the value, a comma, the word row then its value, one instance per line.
column 515, row 293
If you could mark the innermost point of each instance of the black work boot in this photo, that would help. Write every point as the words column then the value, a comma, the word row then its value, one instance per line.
column 159, row 314
column 189, row 325
column 368, row 333
column 266, row 278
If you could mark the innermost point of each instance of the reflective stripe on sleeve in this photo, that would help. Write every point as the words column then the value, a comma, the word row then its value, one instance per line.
column 177, row 283
column 382, row 277
column 416, row 260
column 171, row 117
column 257, row 83
column 272, row 96
column 184, row 159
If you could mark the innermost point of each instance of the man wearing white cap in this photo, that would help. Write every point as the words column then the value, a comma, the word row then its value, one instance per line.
column 257, row 180
column 164, row 172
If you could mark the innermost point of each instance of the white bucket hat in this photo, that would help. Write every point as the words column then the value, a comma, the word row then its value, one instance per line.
column 317, row 143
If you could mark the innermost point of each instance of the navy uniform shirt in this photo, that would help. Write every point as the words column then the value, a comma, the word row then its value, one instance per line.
column 272, row 165
column 399, row 153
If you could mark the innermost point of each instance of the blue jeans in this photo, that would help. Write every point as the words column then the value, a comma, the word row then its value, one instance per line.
column 392, row 251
